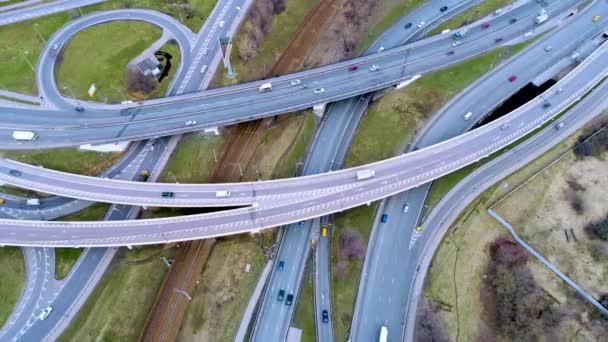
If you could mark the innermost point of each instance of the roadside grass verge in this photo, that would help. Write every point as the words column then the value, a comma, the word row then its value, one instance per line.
column 288, row 164
column 481, row 10
column 65, row 258
column 193, row 159
column 304, row 317
column 117, row 308
column 344, row 288
column 12, row 272
column 98, row 55
column 282, row 27
column 223, row 288
column 387, row 14
column 70, row 160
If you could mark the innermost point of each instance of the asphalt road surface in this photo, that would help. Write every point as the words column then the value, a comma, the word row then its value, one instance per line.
column 290, row 200
column 244, row 102
column 382, row 286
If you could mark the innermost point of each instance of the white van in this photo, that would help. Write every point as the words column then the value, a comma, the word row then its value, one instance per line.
column 467, row 116
column 265, row 87
column 24, row 135
column 33, row 201
column 222, row 193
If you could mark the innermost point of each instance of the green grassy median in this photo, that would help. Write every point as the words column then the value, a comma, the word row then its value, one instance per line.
column 12, row 273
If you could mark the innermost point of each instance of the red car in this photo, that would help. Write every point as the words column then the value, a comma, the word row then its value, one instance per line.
column 512, row 78
column 353, row 68
column 485, row 26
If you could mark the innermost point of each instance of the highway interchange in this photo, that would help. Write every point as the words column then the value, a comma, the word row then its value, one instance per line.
column 264, row 195
column 144, row 155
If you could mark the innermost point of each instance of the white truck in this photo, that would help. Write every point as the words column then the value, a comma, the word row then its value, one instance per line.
column 266, row 87
column 24, row 135
column 222, row 193
column 383, row 334
column 542, row 16
column 365, row 174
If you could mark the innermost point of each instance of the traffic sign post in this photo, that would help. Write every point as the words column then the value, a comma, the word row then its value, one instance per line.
column 226, row 47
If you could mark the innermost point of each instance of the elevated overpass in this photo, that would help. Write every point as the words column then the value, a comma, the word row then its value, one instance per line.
column 280, row 201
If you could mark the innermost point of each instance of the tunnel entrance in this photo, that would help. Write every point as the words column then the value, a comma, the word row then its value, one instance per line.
column 518, row 99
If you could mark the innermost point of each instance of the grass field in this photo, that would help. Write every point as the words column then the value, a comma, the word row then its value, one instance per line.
column 387, row 13
column 89, row 162
column 224, row 289
column 304, row 317
column 286, row 164
column 12, row 272
column 21, row 56
column 283, row 26
column 193, row 159
column 344, row 291
column 117, row 308
column 458, row 265
column 99, row 55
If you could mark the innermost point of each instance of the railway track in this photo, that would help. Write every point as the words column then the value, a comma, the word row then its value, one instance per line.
column 166, row 315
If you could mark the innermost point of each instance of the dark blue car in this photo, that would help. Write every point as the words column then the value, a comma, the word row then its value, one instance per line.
column 384, row 218
column 281, row 265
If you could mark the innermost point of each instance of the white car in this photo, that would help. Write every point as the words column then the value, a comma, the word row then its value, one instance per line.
column 456, row 43
column 205, row 52
column 381, row 49
column 45, row 313
column 238, row 8
column 295, row 82
column 319, row 90
column 222, row 23
column 55, row 46
column 191, row 123
column 374, row 67
column 203, row 69
column 420, row 24
column 406, row 207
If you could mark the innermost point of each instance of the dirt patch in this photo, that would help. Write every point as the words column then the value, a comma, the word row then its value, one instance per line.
column 551, row 213
column 351, row 246
column 258, row 26
column 348, row 25
column 517, row 306
column 428, row 322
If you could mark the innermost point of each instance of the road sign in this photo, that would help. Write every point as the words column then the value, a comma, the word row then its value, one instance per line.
column 92, row 90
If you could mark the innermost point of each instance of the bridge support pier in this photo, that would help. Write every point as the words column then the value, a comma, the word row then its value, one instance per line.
column 319, row 109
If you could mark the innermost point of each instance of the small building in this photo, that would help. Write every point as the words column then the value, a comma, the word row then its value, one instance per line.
column 150, row 66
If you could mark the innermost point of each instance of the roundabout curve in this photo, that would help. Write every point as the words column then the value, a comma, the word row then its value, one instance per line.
column 45, row 76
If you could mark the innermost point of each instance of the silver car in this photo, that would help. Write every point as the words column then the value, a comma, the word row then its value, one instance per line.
column 45, row 313
column 319, row 90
